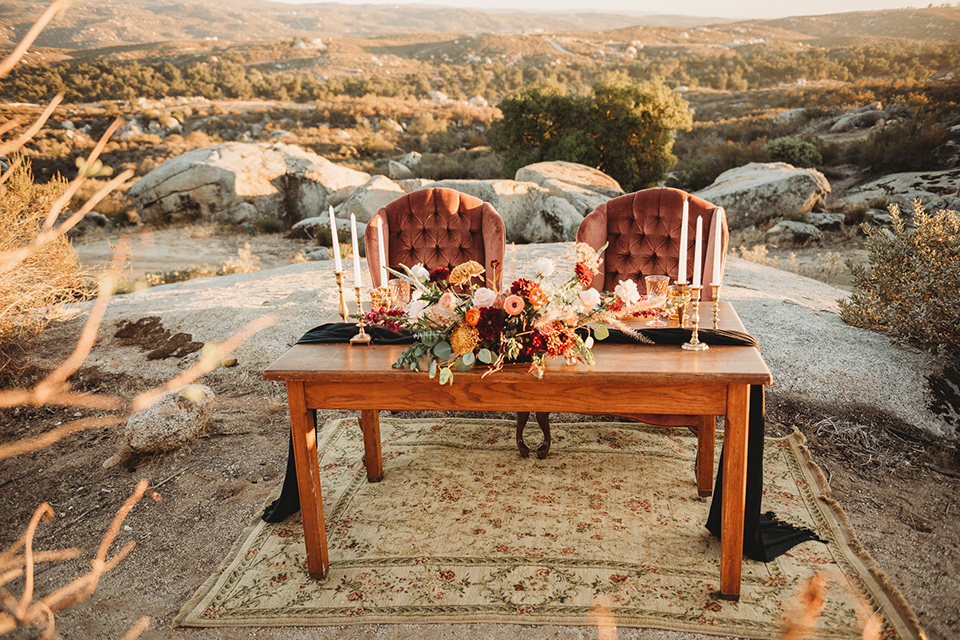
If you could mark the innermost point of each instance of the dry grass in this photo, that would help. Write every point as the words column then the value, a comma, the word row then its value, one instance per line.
column 32, row 289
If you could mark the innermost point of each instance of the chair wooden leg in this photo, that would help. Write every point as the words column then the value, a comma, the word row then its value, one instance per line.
column 706, row 435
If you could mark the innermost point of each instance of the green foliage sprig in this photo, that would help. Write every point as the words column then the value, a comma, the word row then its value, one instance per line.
column 912, row 286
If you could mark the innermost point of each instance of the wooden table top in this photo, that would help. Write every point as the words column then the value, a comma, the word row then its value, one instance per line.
column 639, row 363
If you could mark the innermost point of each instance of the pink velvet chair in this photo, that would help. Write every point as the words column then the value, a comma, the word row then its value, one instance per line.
column 438, row 228
column 642, row 230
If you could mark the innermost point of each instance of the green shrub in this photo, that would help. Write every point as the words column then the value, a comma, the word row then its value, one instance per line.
column 905, row 146
column 912, row 286
column 797, row 216
column 857, row 215
column 795, row 151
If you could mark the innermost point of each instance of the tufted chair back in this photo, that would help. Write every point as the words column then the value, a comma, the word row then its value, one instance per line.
column 643, row 232
column 439, row 228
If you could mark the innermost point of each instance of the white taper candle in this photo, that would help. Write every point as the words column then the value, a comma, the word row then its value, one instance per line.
column 337, row 265
column 383, row 253
column 682, row 273
column 356, row 250
column 697, row 249
column 717, row 249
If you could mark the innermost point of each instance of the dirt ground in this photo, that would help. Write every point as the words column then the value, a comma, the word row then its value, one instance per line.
column 900, row 489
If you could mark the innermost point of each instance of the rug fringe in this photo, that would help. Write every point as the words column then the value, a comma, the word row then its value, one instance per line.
column 845, row 528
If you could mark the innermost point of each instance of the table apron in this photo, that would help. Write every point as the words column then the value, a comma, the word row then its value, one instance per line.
column 536, row 395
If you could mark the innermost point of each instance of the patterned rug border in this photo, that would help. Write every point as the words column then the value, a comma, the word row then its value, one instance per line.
column 883, row 595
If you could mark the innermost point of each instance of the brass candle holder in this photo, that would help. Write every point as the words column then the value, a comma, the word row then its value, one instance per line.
column 716, row 304
column 695, row 344
column 682, row 309
column 362, row 337
column 342, row 308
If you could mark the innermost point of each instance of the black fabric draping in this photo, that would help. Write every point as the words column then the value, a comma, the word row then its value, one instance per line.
column 764, row 536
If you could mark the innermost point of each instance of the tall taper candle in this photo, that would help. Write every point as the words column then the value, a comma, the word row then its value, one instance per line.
column 682, row 273
column 383, row 253
column 337, row 265
column 717, row 249
column 356, row 251
column 697, row 248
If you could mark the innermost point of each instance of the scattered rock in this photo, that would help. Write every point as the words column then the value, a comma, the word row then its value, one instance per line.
column 175, row 419
column 478, row 101
column 377, row 192
column 413, row 184
column 412, row 160
column 789, row 233
column 935, row 189
column 790, row 115
column 827, row 221
column 310, row 228
column 237, row 182
column 759, row 191
column 398, row 171
column 316, row 253
column 389, row 124
column 439, row 96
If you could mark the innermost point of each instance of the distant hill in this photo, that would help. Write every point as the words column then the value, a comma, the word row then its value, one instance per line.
column 106, row 23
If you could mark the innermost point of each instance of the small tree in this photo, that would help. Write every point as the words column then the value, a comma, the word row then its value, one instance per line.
column 623, row 128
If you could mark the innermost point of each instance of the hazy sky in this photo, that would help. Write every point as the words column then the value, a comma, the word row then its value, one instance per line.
column 736, row 9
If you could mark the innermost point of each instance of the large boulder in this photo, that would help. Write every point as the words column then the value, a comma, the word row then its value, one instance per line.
column 174, row 420
column 572, row 173
column 758, row 191
column 238, row 182
column 865, row 116
column 935, row 189
column 377, row 192
column 529, row 212
column 582, row 186
column 790, row 233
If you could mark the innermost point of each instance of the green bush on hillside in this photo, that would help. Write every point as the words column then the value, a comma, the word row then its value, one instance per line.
column 623, row 128
column 912, row 286
column 795, row 151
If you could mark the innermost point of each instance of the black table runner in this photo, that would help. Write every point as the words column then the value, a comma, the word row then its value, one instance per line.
column 764, row 536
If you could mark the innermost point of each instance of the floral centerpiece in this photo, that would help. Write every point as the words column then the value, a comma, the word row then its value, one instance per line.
column 456, row 324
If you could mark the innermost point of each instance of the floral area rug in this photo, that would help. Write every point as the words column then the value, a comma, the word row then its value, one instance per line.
column 461, row 529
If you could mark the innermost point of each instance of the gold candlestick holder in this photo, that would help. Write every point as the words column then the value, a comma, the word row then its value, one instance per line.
column 695, row 344
column 363, row 337
column 342, row 308
column 716, row 304
column 682, row 309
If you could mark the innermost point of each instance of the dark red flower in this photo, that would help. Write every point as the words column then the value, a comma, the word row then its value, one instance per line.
column 491, row 323
column 523, row 287
column 440, row 274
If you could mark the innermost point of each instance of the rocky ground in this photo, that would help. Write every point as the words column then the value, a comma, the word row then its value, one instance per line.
column 897, row 482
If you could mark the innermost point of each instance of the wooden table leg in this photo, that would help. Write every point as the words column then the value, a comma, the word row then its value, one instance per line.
column 372, row 454
column 304, row 429
column 706, row 437
column 734, row 490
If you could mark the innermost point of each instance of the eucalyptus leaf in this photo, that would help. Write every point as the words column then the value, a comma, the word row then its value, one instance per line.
column 460, row 365
column 468, row 359
column 485, row 356
column 433, row 368
column 601, row 333
column 443, row 350
column 446, row 376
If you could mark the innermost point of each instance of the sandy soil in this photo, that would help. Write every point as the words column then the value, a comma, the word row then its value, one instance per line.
column 899, row 489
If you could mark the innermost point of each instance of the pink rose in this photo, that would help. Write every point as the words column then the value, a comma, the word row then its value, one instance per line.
column 484, row 297
column 589, row 298
column 415, row 309
column 448, row 301
column 513, row 305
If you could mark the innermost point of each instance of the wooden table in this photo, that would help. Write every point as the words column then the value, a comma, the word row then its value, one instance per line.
column 624, row 379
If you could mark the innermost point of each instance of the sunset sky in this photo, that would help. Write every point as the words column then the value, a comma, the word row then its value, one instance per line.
column 735, row 9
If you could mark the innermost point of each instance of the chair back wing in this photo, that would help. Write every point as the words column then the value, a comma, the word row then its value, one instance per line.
column 438, row 228
column 642, row 230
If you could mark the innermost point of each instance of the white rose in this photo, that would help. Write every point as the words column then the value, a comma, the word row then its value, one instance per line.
column 415, row 309
column 589, row 298
column 420, row 272
column 484, row 297
column 627, row 291
column 544, row 267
